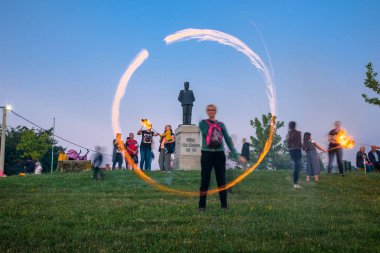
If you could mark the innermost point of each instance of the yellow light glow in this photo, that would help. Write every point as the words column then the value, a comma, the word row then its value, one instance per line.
column 146, row 123
column 344, row 140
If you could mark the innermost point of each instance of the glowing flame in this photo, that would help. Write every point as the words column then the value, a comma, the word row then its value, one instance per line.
column 146, row 123
column 344, row 140
column 135, row 64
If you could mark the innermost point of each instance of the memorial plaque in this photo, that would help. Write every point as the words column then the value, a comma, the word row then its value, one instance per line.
column 188, row 148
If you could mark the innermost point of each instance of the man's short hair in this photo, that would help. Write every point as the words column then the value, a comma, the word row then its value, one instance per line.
column 211, row 105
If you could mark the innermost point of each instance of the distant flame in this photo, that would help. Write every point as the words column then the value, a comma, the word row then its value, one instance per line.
column 345, row 140
column 146, row 123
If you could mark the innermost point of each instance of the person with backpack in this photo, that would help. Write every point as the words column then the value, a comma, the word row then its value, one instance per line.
column 213, row 156
column 294, row 143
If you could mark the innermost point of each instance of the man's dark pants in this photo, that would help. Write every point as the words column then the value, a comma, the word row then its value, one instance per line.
column 210, row 160
column 97, row 173
column 296, row 156
column 339, row 157
column 117, row 159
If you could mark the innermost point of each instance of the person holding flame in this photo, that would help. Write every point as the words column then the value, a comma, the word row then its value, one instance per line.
column 335, row 149
column 146, row 145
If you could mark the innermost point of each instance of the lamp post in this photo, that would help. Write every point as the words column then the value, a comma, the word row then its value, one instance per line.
column 3, row 129
column 52, row 148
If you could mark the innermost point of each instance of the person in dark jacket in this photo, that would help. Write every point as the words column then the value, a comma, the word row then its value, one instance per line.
column 245, row 153
column 374, row 157
column 293, row 140
column 335, row 149
column 97, row 162
column 362, row 160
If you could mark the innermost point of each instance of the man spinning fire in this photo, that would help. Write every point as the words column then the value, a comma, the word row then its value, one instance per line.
column 335, row 148
column 146, row 144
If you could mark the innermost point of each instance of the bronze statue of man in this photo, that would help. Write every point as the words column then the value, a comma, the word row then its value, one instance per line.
column 186, row 97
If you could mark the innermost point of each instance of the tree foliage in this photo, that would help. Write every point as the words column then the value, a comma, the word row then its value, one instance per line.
column 24, row 146
column 277, row 157
column 34, row 144
column 12, row 155
column 373, row 84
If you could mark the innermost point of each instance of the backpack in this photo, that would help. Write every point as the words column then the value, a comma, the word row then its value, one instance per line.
column 214, row 137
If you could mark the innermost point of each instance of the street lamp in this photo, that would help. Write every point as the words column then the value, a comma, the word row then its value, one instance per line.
column 6, row 108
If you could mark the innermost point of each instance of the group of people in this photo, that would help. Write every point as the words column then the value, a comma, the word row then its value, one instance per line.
column 166, row 149
column 213, row 156
column 214, row 134
column 370, row 161
column 310, row 147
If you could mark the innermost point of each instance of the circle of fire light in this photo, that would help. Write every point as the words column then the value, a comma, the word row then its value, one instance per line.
column 200, row 35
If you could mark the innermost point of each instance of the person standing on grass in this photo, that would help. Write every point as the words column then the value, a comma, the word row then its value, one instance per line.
column 97, row 162
column 131, row 146
column 245, row 153
column 294, row 143
column 335, row 149
column 116, row 154
column 213, row 156
column 146, row 148
column 166, row 149
column 310, row 146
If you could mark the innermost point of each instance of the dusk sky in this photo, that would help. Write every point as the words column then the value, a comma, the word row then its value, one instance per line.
column 64, row 59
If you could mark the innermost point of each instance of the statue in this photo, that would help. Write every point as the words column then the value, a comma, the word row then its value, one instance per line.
column 186, row 97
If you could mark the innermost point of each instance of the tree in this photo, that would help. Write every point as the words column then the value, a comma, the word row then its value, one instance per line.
column 13, row 161
column 34, row 144
column 277, row 157
column 24, row 146
column 373, row 84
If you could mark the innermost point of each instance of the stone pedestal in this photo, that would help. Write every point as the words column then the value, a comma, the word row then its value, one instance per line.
column 188, row 148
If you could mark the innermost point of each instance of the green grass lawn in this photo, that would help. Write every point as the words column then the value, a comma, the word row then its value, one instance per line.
column 73, row 213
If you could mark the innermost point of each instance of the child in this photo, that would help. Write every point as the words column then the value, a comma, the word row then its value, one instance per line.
column 310, row 147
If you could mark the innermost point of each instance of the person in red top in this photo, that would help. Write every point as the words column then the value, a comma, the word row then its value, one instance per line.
column 132, row 148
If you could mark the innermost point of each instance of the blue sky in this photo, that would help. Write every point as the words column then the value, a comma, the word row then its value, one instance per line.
column 64, row 59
